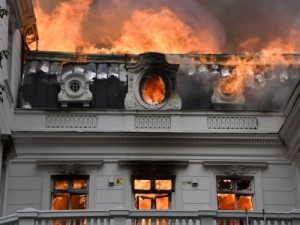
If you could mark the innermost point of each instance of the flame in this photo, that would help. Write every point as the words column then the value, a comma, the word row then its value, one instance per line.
column 61, row 29
column 153, row 90
column 231, row 85
column 159, row 30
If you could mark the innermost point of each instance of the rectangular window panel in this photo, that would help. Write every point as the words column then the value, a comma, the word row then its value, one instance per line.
column 60, row 201
column 69, row 192
column 243, row 185
column 225, row 185
column 162, row 203
column 245, row 202
column 144, row 202
column 79, row 184
column 78, row 201
column 142, row 184
column 61, row 185
column 163, row 184
column 226, row 202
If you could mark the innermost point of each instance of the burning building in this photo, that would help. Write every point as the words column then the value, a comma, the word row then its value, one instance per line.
column 132, row 130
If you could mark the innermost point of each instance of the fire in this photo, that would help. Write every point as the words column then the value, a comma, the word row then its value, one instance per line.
column 153, row 90
column 161, row 31
column 145, row 30
column 231, row 85
column 61, row 30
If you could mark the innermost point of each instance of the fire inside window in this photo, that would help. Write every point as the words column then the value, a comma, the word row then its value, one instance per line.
column 69, row 193
column 235, row 193
column 153, row 89
column 152, row 193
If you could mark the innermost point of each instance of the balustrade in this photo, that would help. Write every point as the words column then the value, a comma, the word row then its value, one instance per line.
column 149, row 217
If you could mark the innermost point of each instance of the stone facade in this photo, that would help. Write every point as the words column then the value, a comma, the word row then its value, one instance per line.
column 110, row 147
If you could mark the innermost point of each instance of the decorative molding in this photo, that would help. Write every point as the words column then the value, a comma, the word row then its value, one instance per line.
column 68, row 169
column 138, row 140
column 150, row 64
column 235, row 170
column 69, row 166
column 232, row 123
column 66, row 121
column 152, row 122
column 75, row 88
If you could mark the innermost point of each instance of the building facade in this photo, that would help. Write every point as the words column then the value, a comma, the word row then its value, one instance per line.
column 83, row 140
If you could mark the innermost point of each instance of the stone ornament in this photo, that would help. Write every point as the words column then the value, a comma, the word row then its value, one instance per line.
column 235, row 170
column 152, row 64
column 75, row 88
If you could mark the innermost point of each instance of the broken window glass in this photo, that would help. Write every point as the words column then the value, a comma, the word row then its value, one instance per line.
column 234, row 194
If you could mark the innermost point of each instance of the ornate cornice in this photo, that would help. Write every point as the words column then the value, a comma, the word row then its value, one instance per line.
column 149, row 139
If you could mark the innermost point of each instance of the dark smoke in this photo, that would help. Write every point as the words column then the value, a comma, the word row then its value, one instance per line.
column 236, row 23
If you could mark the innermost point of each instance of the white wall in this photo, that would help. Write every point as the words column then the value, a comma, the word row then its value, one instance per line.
column 24, row 187
column 9, row 77
column 29, row 184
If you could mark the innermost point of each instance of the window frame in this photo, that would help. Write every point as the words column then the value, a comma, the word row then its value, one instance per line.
column 152, row 186
column 236, row 192
column 71, row 191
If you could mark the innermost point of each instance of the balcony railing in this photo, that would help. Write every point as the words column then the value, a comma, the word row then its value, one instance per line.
column 149, row 217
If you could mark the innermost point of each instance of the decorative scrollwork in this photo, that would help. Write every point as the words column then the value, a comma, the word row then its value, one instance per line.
column 235, row 170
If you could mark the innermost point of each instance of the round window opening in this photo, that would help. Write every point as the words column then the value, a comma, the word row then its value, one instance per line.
column 75, row 86
column 153, row 89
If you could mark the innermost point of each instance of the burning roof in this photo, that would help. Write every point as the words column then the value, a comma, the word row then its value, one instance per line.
column 168, row 26
column 203, row 82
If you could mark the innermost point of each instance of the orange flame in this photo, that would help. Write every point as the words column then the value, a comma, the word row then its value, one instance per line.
column 154, row 90
column 61, row 30
column 146, row 30
column 231, row 85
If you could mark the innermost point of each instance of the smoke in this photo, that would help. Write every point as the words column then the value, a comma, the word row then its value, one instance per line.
column 222, row 26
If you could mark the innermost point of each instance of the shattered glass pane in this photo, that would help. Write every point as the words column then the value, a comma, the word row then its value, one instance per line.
column 225, row 184
column 163, row 184
column 61, row 185
column 243, row 185
column 142, row 184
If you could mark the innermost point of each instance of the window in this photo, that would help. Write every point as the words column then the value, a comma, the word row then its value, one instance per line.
column 152, row 192
column 235, row 193
column 69, row 192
